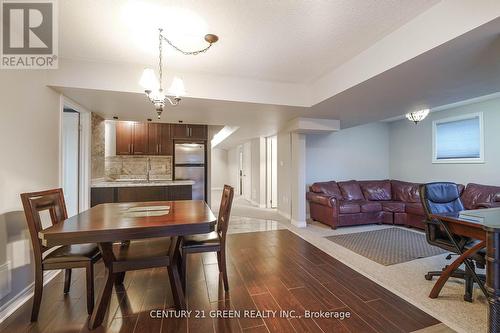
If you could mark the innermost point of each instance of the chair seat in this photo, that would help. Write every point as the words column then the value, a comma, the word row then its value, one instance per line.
column 200, row 241
column 77, row 252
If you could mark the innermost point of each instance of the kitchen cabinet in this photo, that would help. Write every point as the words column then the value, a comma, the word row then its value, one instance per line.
column 124, row 137
column 160, row 139
column 131, row 138
column 100, row 195
column 189, row 132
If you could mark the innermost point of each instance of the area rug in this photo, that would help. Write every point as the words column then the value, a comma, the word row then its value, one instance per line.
column 388, row 246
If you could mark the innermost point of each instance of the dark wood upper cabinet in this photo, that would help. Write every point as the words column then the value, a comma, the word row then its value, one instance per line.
column 159, row 139
column 124, row 137
column 186, row 131
column 136, row 138
column 166, row 144
column 140, row 139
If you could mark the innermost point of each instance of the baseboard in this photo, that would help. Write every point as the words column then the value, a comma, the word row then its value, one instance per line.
column 299, row 224
column 25, row 295
column 285, row 215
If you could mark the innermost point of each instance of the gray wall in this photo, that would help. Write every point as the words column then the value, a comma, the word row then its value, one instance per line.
column 360, row 152
column 411, row 149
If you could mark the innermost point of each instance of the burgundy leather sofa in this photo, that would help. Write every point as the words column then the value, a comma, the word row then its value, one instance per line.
column 383, row 201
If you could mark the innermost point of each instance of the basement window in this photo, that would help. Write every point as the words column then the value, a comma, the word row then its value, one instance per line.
column 458, row 139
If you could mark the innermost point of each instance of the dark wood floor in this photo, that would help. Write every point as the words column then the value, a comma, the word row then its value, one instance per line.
column 273, row 270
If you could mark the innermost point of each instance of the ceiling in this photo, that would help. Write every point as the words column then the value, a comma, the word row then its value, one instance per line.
column 259, row 39
column 463, row 68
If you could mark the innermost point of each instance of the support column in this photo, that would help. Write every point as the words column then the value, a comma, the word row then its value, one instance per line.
column 298, row 179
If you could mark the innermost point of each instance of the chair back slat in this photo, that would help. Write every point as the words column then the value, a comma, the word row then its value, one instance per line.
column 36, row 202
column 225, row 211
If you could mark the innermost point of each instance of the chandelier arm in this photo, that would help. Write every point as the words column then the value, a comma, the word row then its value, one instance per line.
column 173, row 102
column 182, row 51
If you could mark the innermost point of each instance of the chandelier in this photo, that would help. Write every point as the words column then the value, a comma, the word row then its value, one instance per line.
column 417, row 116
column 154, row 87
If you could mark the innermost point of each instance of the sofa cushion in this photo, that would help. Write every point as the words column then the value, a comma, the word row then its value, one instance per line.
column 393, row 206
column 414, row 208
column 370, row 206
column 349, row 207
column 476, row 194
column 351, row 190
column 376, row 190
column 330, row 188
column 404, row 191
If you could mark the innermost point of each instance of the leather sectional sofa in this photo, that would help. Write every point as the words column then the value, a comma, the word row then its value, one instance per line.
column 383, row 201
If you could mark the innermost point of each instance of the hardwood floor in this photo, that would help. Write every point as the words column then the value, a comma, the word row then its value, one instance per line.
column 274, row 270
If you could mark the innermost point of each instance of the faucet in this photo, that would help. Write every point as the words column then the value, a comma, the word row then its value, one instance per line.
column 148, row 167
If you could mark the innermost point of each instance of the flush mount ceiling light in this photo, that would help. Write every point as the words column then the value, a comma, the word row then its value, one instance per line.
column 153, row 86
column 417, row 116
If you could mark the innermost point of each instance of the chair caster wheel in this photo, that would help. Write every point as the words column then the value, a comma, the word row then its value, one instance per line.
column 428, row 277
column 468, row 299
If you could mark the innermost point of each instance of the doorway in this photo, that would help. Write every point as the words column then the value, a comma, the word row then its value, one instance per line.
column 74, row 155
column 272, row 172
column 71, row 160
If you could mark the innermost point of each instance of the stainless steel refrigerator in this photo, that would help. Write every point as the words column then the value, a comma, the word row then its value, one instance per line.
column 190, row 165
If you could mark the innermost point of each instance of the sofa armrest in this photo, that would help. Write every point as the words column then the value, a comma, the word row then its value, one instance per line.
column 493, row 204
column 321, row 199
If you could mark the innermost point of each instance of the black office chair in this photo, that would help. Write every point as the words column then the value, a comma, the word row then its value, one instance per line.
column 444, row 197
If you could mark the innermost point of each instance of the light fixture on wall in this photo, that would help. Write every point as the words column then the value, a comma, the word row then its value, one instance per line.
column 153, row 87
column 417, row 116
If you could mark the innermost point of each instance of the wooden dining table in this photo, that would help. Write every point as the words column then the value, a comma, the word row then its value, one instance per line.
column 108, row 224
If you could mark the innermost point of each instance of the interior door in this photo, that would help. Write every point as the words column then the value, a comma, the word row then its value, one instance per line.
column 71, row 161
column 247, row 171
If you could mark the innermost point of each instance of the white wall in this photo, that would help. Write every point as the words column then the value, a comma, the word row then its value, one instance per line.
column 360, row 153
column 258, row 171
column 29, row 141
column 284, row 172
column 411, row 149
column 219, row 173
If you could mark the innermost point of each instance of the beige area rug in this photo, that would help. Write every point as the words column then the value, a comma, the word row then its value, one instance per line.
column 388, row 246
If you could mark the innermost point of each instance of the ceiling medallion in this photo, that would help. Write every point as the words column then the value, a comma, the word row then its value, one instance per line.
column 154, row 87
column 417, row 116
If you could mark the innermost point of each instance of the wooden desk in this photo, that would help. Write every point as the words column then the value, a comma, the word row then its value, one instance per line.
column 108, row 223
column 483, row 225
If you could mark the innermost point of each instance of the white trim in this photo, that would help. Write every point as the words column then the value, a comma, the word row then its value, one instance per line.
column 25, row 295
column 285, row 215
column 299, row 224
column 480, row 159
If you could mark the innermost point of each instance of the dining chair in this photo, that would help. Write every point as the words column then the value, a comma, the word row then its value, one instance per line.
column 211, row 242
column 65, row 257
column 444, row 197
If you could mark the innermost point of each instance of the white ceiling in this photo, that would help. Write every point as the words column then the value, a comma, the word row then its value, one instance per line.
column 463, row 68
column 287, row 41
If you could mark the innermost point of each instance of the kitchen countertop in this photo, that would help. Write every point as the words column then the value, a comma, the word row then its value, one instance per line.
column 141, row 183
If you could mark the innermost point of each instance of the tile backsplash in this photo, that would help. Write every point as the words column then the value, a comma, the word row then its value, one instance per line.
column 136, row 167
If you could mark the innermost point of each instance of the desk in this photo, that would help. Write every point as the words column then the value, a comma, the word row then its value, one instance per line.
column 109, row 223
column 483, row 225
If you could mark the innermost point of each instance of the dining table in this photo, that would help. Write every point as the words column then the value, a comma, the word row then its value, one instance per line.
column 482, row 225
column 114, row 226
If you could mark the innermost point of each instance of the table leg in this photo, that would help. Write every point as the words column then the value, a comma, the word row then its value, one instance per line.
column 174, row 276
column 105, row 293
column 451, row 268
column 493, row 279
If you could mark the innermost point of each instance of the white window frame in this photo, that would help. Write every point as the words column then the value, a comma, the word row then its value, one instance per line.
column 479, row 159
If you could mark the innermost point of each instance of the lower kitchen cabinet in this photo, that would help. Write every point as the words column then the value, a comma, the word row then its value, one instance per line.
column 101, row 195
